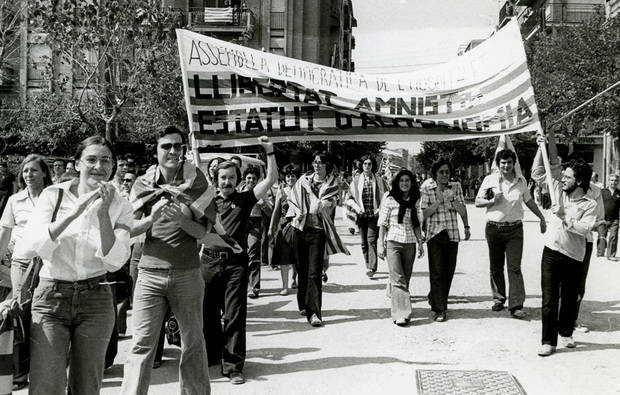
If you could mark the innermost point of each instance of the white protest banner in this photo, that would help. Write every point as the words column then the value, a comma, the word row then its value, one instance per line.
column 234, row 94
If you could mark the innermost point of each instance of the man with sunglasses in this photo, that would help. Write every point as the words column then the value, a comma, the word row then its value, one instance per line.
column 171, row 202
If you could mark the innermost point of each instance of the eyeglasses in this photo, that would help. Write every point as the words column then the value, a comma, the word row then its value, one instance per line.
column 168, row 146
column 91, row 161
column 127, row 179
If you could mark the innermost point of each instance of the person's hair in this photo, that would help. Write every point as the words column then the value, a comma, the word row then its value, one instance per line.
column 325, row 158
column 219, row 160
column 372, row 160
column 47, row 180
column 505, row 154
column 357, row 165
column 227, row 165
column 414, row 192
column 96, row 140
column 171, row 130
column 293, row 169
column 614, row 175
column 581, row 169
column 251, row 170
column 439, row 163
column 236, row 157
column 59, row 160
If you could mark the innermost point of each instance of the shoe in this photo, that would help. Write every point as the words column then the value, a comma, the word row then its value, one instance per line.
column 253, row 294
column 156, row 364
column 352, row 231
column 370, row 273
column 545, row 350
column 440, row 317
column 581, row 328
column 567, row 341
column 497, row 306
column 19, row 386
column 324, row 277
column 284, row 292
column 518, row 313
column 401, row 322
column 302, row 312
column 236, row 378
column 315, row 321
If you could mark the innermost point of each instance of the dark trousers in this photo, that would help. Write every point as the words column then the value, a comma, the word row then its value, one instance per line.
column 612, row 240
column 264, row 241
column 255, row 234
column 112, row 349
column 560, row 284
column 581, row 291
column 441, row 266
column 506, row 245
column 368, row 234
column 225, row 291
column 310, row 248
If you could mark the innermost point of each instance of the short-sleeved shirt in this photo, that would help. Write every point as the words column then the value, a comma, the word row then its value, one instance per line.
column 388, row 217
column 166, row 244
column 234, row 213
column 15, row 217
column 510, row 208
column 445, row 218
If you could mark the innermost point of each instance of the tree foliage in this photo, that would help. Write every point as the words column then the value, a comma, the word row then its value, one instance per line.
column 10, row 35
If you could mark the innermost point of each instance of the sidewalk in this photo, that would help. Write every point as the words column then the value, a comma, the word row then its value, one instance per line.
column 360, row 350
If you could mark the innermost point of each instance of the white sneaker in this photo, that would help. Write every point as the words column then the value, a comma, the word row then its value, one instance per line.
column 545, row 350
column 567, row 341
column 580, row 328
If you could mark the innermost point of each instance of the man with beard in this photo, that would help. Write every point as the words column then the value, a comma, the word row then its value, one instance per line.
column 225, row 266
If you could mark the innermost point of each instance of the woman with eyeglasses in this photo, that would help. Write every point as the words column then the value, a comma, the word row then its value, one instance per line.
column 80, row 229
column 399, row 231
column 34, row 175
column 441, row 200
column 312, row 202
column 280, row 227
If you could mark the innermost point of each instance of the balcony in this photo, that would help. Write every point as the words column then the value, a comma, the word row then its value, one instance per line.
column 220, row 19
column 560, row 13
column 506, row 13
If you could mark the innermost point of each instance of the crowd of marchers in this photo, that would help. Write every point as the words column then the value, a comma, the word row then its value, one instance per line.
column 184, row 248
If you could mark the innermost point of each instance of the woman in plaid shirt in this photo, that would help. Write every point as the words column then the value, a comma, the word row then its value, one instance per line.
column 441, row 201
column 399, row 229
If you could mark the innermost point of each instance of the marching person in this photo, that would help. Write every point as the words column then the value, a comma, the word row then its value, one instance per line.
column 225, row 267
column 574, row 216
column 59, row 170
column 365, row 194
column 280, row 227
column 441, row 200
column 611, row 204
column 72, row 312
column 255, row 234
column 399, row 230
column 311, row 204
column 34, row 175
column 502, row 193
column 171, row 202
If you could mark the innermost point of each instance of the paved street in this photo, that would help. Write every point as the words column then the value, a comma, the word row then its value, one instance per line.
column 360, row 350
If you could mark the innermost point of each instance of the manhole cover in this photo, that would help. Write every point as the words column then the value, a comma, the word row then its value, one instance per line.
column 456, row 382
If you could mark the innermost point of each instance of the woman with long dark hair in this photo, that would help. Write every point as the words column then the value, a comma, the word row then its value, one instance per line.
column 399, row 232
column 80, row 229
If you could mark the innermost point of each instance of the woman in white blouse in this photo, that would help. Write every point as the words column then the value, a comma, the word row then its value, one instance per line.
column 72, row 311
column 399, row 230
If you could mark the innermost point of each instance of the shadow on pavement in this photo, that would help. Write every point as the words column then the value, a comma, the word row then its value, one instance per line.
column 600, row 316
column 277, row 354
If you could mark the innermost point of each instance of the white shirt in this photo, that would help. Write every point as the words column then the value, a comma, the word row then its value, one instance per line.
column 76, row 253
column 15, row 217
column 510, row 207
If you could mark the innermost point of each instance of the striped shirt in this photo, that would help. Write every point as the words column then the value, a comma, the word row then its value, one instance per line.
column 388, row 217
column 445, row 218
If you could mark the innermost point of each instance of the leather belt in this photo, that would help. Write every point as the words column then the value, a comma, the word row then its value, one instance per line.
column 505, row 224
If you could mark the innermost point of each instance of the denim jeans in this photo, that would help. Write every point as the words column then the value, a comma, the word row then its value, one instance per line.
column 71, row 322
column 506, row 245
column 225, row 291
column 21, row 352
column 400, row 257
column 310, row 250
column 255, row 233
column 560, row 283
column 441, row 266
column 585, row 267
column 156, row 289
column 368, row 234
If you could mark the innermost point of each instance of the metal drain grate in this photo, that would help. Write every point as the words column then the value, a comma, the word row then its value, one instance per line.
column 470, row 382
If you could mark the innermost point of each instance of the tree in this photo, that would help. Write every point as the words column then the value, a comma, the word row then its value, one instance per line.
column 10, row 29
column 106, row 46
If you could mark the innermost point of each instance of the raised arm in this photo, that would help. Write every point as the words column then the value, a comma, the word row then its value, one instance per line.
column 260, row 190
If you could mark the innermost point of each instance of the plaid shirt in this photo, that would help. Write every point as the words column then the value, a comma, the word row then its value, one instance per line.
column 388, row 217
column 367, row 196
column 445, row 218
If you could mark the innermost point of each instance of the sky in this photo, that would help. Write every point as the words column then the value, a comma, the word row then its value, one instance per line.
column 404, row 35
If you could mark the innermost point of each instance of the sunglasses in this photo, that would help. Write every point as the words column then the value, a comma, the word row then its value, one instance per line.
column 168, row 146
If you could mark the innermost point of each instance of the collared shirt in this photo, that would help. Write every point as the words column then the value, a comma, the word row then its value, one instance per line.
column 368, row 194
column 76, row 253
column 510, row 207
column 388, row 217
column 445, row 218
column 569, row 236
column 15, row 217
